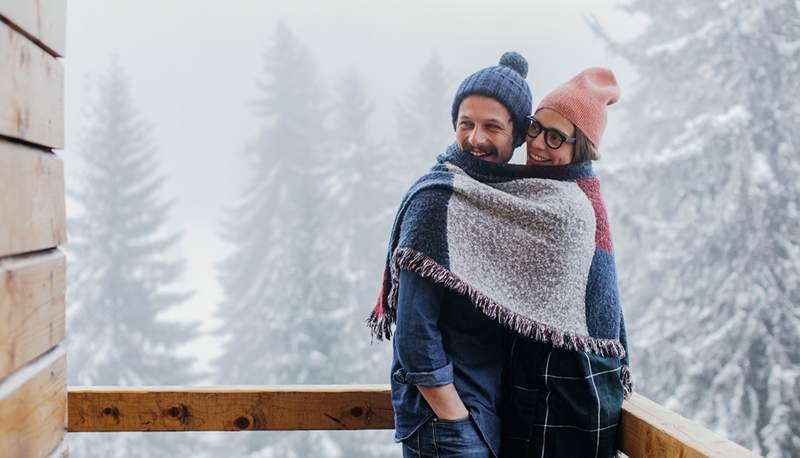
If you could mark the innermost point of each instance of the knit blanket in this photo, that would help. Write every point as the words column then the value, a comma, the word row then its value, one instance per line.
column 529, row 245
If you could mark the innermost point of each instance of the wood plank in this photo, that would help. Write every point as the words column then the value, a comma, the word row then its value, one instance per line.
column 648, row 430
column 32, row 316
column 230, row 408
column 33, row 407
column 32, row 207
column 42, row 21
column 31, row 91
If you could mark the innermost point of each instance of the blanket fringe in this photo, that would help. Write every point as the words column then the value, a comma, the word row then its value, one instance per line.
column 627, row 382
column 406, row 258
column 380, row 325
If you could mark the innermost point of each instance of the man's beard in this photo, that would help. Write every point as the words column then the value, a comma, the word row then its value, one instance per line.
column 484, row 150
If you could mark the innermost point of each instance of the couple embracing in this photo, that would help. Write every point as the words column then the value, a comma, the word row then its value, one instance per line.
column 500, row 284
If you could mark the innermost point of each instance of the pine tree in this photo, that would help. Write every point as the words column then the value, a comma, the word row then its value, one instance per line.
column 359, row 181
column 364, row 181
column 120, row 279
column 281, row 311
column 711, row 200
column 272, row 228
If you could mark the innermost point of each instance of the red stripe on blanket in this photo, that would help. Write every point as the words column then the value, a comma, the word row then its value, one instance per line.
column 591, row 187
column 380, row 304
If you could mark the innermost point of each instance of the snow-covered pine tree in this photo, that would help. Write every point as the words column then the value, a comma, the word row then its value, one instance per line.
column 120, row 279
column 712, row 193
column 280, row 313
column 266, row 278
column 363, row 182
column 424, row 127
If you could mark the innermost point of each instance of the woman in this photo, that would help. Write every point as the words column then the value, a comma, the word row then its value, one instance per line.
column 564, row 397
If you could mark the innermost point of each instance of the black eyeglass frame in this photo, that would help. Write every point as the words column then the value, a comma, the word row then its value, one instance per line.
column 546, row 131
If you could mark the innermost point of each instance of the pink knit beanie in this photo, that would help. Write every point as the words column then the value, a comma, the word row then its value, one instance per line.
column 583, row 100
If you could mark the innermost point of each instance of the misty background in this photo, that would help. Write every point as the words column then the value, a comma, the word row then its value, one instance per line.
column 233, row 170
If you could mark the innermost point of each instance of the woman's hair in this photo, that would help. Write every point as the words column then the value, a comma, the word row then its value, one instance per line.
column 583, row 148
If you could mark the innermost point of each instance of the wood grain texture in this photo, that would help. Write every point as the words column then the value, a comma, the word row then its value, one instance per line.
column 230, row 408
column 31, row 91
column 33, row 415
column 32, row 206
column 42, row 21
column 650, row 430
column 32, row 312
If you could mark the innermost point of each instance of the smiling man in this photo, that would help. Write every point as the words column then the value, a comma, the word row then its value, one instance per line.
column 485, row 129
column 448, row 355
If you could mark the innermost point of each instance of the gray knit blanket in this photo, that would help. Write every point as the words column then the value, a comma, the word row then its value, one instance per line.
column 530, row 246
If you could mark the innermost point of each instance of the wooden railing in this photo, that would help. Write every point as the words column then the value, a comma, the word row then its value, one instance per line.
column 648, row 429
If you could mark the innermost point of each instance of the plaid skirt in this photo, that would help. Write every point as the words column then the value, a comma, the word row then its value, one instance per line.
column 560, row 403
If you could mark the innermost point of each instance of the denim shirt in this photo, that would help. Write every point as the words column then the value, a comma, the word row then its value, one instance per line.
column 441, row 338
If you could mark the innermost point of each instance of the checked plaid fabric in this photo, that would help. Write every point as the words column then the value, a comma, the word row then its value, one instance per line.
column 560, row 403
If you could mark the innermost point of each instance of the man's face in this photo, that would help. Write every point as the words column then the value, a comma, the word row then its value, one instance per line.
column 484, row 128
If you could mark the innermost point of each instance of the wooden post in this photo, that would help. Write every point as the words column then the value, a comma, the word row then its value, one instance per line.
column 33, row 389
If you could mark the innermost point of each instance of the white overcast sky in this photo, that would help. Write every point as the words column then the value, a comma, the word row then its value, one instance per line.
column 193, row 67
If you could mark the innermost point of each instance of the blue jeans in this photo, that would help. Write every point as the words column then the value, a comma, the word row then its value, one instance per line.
column 446, row 439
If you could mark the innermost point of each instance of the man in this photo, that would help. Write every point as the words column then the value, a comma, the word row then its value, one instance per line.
column 448, row 355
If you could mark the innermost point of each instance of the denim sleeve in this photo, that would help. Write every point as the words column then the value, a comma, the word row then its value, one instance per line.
column 418, row 341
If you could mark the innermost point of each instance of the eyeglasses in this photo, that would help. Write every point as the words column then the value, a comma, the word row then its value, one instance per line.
column 552, row 137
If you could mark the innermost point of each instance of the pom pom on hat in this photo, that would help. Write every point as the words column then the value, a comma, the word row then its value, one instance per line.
column 583, row 101
column 515, row 61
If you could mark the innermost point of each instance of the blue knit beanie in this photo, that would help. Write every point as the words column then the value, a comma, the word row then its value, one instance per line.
column 506, row 84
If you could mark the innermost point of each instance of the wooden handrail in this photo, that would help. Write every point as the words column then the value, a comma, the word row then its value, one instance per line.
column 229, row 408
column 648, row 429
column 652, row 430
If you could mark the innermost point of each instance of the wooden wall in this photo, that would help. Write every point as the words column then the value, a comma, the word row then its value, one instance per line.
column 33, row 391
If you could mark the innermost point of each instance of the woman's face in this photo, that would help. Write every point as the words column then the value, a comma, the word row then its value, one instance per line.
column 539, row 153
